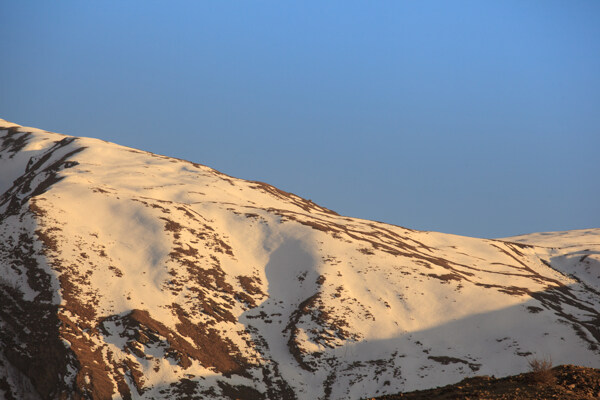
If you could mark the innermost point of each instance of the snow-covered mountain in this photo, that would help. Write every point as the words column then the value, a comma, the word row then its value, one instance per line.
column 126, row 274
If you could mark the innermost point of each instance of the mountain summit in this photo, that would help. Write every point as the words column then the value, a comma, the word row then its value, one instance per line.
column 129, row 275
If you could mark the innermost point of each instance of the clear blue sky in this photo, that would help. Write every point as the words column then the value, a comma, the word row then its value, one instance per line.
column 479, row 118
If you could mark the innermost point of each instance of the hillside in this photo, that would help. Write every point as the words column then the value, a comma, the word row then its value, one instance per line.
column 126, row 274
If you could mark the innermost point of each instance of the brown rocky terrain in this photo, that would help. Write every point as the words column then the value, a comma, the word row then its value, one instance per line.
column 567, row 382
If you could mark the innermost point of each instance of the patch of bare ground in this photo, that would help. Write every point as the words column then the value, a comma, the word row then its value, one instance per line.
column 240, row 392
column 251, row 289
column 570, row 382
column 13, row 141
column 209, row 348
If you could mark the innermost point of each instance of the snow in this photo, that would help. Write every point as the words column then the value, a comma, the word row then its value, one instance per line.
column 381, row 307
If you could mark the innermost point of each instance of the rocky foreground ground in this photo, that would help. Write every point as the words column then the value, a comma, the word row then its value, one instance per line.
column 563, row 382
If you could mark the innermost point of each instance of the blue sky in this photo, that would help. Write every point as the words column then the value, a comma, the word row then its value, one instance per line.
column 479, row 118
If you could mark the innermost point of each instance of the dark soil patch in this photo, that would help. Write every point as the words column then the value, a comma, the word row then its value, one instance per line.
column 572, row 382
column 240, row 392
column 13, row 141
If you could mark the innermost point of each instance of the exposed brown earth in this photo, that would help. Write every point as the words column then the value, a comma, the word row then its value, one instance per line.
column 568, row 382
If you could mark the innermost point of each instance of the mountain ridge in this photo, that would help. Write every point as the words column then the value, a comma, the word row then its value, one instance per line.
column 153, row 277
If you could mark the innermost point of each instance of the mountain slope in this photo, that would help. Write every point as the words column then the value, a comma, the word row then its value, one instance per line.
column 126, row 274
